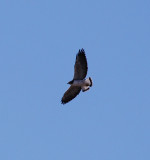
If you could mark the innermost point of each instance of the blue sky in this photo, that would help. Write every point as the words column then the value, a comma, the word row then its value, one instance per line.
column 38, row 44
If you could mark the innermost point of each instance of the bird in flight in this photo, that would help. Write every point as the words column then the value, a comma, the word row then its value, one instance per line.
column 79, row 82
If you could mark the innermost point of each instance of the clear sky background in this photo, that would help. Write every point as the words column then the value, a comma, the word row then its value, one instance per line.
column 39, row 40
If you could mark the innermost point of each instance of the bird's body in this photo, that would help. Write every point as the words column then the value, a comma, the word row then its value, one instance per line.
column 79, row 82
column 82, row 83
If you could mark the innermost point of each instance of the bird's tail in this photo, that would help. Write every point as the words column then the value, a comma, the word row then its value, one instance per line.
column 85, row 88
column 88, row 84
column 89, row 81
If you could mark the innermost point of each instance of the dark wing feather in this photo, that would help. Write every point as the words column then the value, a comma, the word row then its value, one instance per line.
column 71, row 93
column 80, row 68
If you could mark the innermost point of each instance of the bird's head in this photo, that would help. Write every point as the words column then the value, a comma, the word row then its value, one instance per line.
column 70, row 82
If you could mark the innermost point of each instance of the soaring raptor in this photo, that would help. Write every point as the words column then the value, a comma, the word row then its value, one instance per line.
column 79, row 82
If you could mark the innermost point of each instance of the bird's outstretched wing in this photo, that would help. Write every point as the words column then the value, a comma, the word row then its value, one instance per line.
column 71, row 93
column 80, row 67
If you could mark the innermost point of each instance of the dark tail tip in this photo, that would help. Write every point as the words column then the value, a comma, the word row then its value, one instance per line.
column 91, row 81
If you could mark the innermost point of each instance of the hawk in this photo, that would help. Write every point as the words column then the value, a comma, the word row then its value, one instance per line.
column 79, row 82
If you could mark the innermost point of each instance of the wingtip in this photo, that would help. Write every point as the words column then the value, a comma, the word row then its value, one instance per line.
column 81, row 52
column 62, row 102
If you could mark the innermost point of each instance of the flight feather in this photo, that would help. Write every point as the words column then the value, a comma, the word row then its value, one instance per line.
column 80, row 67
